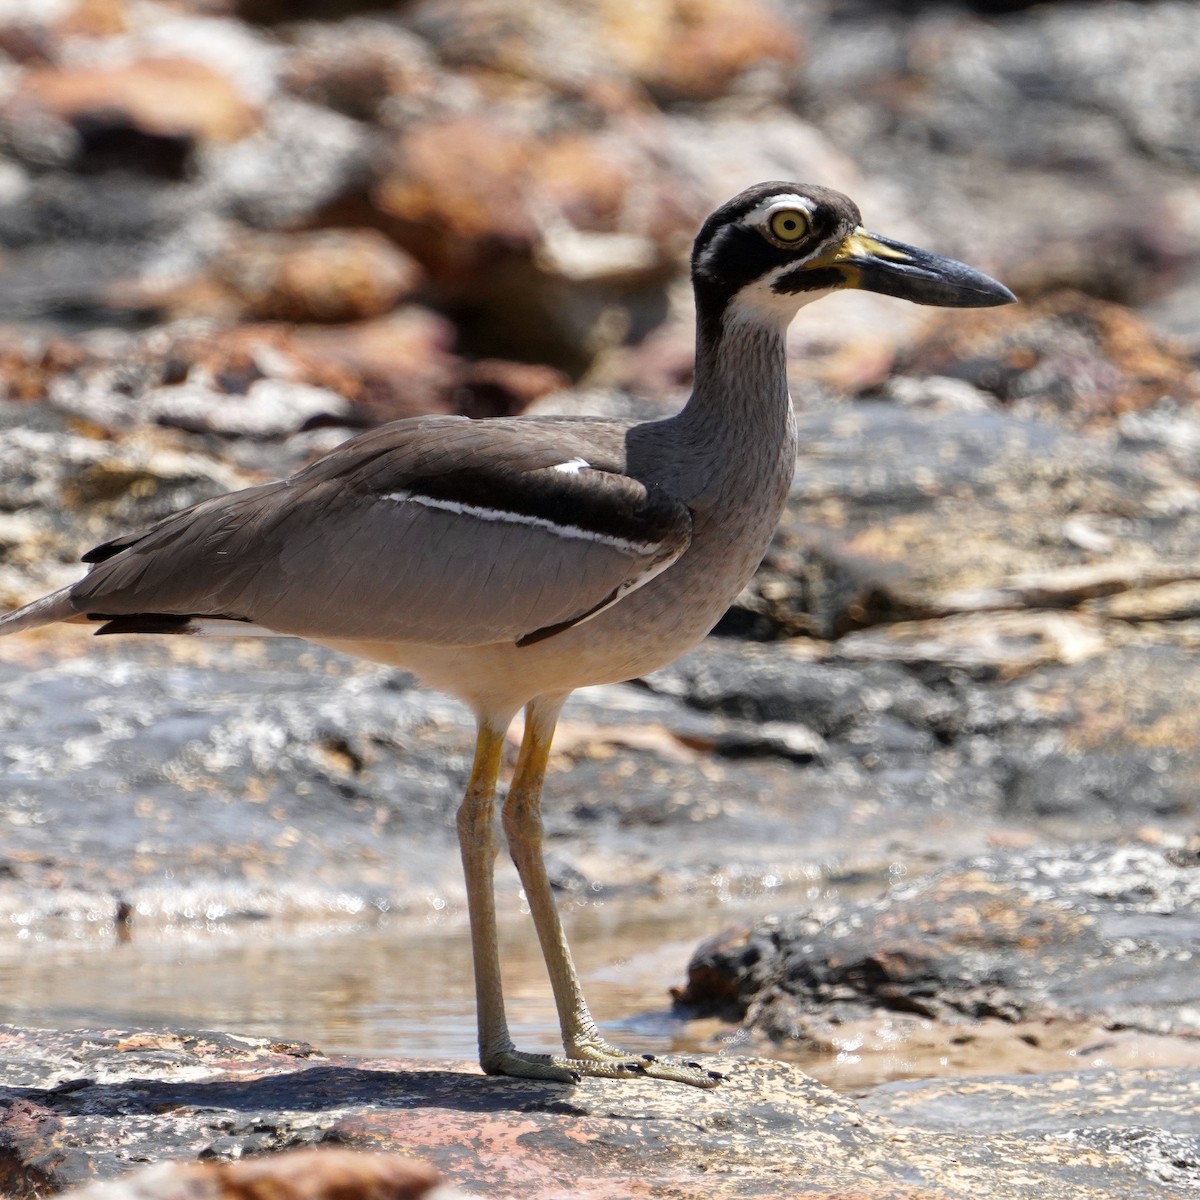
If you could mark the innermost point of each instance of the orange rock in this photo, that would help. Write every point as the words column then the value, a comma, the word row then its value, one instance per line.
column 405, row 367
column 583, row 179
column 474, row 193
column 1088, row 358
column 695, row 49
column 312, row 1174
column 29, row 364
column 235, row 358
column 402, row 361
column 464, row 176
column 95, row 18
column 327, row 276
column 402, row 340
column 164, row 97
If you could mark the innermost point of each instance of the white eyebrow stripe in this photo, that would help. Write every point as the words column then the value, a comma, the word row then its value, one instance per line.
column 575, row 532
column 572, row 466
column 757, row 216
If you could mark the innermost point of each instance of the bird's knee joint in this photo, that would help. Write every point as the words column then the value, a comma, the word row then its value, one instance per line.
column 522, row 822
column 475, row 823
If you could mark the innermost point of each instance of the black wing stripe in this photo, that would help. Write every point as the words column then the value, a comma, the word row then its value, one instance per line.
column 583, row 500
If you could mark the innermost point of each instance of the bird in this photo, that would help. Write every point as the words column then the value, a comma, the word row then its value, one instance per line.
column 509, row 561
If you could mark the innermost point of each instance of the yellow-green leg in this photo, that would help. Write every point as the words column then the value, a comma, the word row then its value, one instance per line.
column 477, row 842
column 587, row 1053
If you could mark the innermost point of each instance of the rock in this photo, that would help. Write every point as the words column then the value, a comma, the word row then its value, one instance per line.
column 677, row 50
column 266, row 381
column 553, row 246
column 492, row 387
column 903, row 513
column 1063, row 357
column 405, row 368
column 692, row 50
column 1163, row 1150
column 1120, row 738
column 300, row 161
column 268, row 408
column 132, row 1096
column 999, row 645
column 1001, row 135
column 1169, row 601
column 290, row 1175
column 147, row 116
column 326, row 277
column 1095, row 934
column 363, row 68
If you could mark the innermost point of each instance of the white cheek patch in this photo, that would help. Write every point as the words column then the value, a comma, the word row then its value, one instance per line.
column 759, row 304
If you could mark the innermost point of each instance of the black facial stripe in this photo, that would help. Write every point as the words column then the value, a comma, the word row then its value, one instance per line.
column 728, row 255
column 733, row 211
column 739, row 258
column 808, row 279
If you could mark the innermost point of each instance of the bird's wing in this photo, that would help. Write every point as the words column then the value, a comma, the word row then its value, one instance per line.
column 439, row 530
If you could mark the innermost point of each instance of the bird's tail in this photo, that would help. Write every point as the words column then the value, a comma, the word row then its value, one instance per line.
column 55, row 607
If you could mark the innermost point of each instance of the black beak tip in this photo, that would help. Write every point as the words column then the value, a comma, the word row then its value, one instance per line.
column 996, row 295
column 910, row 273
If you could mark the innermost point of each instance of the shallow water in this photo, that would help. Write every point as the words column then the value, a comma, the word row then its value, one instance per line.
column 400, row 988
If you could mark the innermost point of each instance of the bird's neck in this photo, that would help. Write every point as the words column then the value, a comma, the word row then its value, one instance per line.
column 740, row 388
column 732, row 447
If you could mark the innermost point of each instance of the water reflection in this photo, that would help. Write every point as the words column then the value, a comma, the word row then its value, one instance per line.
column 398, row 988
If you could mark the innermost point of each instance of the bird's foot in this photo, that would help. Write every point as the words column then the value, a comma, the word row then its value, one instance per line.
column 594, row 1049
column 599, row 1060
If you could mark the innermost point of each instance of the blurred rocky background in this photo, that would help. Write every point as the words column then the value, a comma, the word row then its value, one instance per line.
column 953, row 718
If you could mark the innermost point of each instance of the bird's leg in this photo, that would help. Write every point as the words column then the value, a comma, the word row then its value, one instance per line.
column 477, row 841
column 587, row 1052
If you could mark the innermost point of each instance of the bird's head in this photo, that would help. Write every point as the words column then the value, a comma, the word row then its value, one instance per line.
column 777, row 246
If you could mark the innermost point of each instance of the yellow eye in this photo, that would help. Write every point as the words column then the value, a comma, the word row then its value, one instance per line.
column 789, row 225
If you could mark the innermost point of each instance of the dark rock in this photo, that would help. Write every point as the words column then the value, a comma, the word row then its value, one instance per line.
column 219, row 1097
column 1097, row 933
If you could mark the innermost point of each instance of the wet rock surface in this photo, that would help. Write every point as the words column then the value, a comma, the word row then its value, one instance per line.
column 297, row 1175
column 767, row 1131
column 232, row 233
column 1085, row 935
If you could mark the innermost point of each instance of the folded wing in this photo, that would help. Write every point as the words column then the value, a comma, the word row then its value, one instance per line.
column 439, row 531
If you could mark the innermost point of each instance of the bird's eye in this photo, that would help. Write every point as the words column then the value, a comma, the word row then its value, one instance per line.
column 789, row 225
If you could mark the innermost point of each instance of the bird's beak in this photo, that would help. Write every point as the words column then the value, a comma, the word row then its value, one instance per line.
column 878, row 264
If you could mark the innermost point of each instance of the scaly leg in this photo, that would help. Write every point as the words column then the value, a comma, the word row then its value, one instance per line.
column 587, row 1052
column 477, row 842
